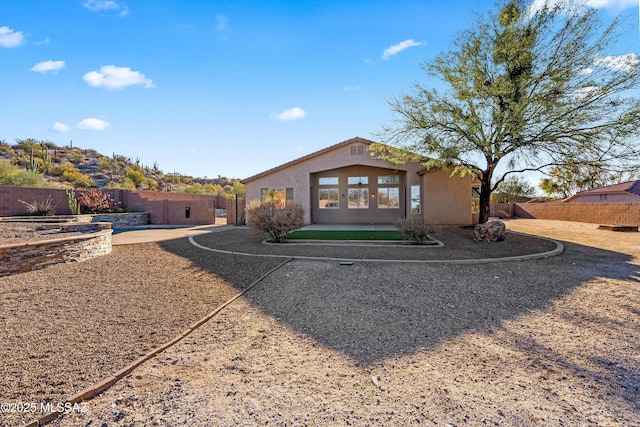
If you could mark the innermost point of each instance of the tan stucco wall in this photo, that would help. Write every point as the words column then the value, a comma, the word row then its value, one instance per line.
column 298, row 176
column 440, row 193
column 447, row 199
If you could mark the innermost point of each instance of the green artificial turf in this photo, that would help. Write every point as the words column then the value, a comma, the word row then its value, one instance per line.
column 345, row 235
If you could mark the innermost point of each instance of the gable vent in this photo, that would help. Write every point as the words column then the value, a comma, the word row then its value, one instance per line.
column 357, row 150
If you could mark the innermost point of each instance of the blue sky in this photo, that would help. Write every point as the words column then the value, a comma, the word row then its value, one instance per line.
column 231, row 88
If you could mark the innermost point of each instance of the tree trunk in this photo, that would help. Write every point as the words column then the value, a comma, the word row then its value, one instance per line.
column 485, row 199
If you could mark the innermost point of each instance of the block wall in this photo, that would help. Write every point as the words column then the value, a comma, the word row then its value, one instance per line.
column 613, row 213
column 163, row 208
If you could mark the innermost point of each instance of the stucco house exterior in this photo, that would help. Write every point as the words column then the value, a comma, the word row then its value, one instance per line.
column 624, row 192
column 344, row 184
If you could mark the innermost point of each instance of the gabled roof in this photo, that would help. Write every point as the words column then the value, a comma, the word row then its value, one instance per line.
column 631, row 187
column 357, row 139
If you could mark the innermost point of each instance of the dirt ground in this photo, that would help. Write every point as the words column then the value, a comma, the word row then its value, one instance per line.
column 551, row 341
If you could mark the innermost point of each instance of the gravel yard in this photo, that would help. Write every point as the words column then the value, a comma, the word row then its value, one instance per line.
column 541, row 342
column 12, row 233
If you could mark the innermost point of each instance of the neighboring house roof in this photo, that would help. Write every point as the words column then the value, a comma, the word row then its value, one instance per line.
column 630, row 187
column 357, row 139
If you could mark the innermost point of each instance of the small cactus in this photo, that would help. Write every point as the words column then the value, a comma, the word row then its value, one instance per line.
column 74, row 206
column 32, row 166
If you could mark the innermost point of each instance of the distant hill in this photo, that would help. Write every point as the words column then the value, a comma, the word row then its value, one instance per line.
column 82, row 168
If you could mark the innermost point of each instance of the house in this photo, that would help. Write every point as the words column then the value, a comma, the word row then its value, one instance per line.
column 624, row 192
column 345, row 184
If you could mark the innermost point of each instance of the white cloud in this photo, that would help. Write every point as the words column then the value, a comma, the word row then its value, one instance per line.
column 586, row 71
column 397, row 48
column 573, row 6
column 43, row 67
column 93, row 124
column 613, row 4
column 10, row 38
column 585, row 92
column 106, row 5
column 627, row 62
column 60, row 127
column 112, row 77
column 44, row 42
column 294, row 113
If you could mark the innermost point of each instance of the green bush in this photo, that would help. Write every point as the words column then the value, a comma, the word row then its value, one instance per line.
column 14, row 176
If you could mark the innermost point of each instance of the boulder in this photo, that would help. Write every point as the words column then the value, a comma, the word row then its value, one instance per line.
column 491, row 231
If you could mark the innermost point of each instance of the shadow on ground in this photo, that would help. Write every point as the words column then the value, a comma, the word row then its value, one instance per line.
column 373, row 311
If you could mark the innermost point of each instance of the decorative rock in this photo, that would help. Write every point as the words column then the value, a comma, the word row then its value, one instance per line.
column 491, row 231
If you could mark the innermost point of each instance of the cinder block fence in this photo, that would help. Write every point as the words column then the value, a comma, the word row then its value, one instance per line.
column 163, row 208
column 609, row 213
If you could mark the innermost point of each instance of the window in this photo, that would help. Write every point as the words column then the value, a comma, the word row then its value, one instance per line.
column 328, row 180
column 328, row 198
column 389, row 179
column 415, row 199
column 389, row 198
column 475, row 199
column 352, row 180
column 282, row 195
column 358, row 198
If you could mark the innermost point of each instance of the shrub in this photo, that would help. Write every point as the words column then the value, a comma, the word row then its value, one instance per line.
column 415, row 230
column 39, row 208
column 95, row 201
column 136, row 176
column 275, row 219
column 12, row 175
column 104, row 163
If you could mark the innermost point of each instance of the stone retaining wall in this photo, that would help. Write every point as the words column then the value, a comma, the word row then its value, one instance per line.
column 132, row 219
column 119, row 220
column 35, row 255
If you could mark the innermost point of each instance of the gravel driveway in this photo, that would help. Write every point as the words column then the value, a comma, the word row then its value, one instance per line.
column 541, row 342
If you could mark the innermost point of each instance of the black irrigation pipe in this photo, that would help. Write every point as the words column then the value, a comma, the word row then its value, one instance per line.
column 97, row 388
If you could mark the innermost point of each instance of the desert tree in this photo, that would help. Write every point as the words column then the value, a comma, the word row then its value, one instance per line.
column 527, row 87
column 513, row 189
column 569, row 178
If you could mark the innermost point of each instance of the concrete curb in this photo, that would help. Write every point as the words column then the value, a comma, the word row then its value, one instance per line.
column 554, row 252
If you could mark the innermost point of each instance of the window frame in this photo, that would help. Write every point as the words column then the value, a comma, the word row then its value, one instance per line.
column 416, row 200
column 387, row 190
column 359, row 190
column 329, row 191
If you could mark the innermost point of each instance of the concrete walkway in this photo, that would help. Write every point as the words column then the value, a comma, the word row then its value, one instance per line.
column 159, row 233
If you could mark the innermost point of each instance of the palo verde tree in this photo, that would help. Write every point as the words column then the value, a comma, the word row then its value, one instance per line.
column 526, row 89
